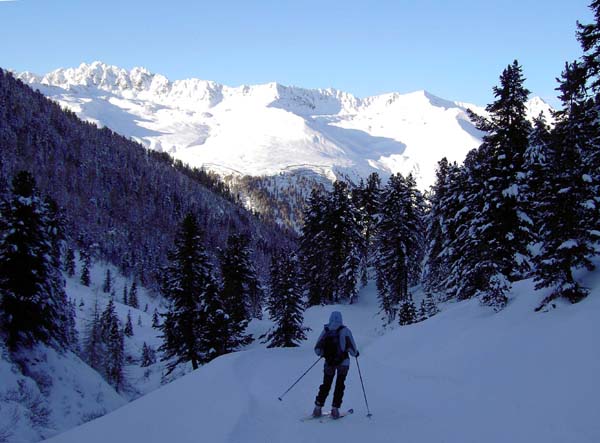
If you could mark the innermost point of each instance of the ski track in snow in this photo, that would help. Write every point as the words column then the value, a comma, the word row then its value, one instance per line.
column 465, row 375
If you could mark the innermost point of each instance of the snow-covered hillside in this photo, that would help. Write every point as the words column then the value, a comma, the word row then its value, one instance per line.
column 465, row 375
column 44, row 392
column 270, row 128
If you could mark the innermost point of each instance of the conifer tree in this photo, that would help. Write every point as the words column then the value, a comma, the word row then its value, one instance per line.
column 500, row 221
column 344, row 241
column 128, row 330
column 86, row 263
column 107, row 285
column 148, row 356
column 368, row 201
column 314, row 252
column 436, row 268
column 70, row 262
column 92, row 343
column 422, row 314
column 186, row 280
column 240, row 282
column 155, row 319
column 430, row 306
column 33, row 304
column 133, row 296
column 407, row 314
column 567, row 205
column 285, row 305
column 125, row 295
column 196, row 327
column 114, row 347
column 399, row 242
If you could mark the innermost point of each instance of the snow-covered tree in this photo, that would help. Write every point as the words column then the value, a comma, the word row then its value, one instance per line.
column 407, row 314
column 86, row 263
column 313, row 251
column 128, row 330
column 286, row 308
column 436, row 268
column 148, row 356
column 566, row 204
column 33, row 304
column 107, row 284
column 399, row 242
column 241, row 291
column 113, row 345
column 133, row 296
column 499, row 221
column 187, row 279
column 69, row 266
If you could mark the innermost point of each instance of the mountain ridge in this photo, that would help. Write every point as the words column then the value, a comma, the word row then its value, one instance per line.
column 262, row 130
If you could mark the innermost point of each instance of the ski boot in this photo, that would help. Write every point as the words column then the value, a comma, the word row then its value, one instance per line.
column 317, row 411
column 335, row 413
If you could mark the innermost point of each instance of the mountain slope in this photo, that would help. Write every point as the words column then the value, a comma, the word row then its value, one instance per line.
column 119, row 199
column 268, row 129
column 465, row 375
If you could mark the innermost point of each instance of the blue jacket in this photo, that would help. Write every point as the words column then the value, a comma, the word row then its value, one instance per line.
column 346, row 340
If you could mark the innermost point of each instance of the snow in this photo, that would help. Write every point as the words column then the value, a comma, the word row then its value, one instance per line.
column 270, row 128
column 467, row 375
column 62, row 384
column 569, row 244
column 511, row 191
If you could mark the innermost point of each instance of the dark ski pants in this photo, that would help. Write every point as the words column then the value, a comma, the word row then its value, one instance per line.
column 338, row 393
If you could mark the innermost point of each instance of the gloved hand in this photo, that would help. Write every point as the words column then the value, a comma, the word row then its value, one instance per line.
column 357, row 354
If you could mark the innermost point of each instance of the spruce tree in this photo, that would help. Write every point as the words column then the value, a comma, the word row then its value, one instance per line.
column 92, row 342
column 368, row 200
column 33, row 304
column 407, row 314
column 500, row 221
column 186, row 280
column 125, row 295
column 133, row 296
column 196, row 326
column 567, row 206
column 344, row 241
column 155, row 319
column 285, row 305
column 399, row 242
column 436, row 268
column 240, row 282
column 107, row 285
column 86, row 263
column 148, row 356
column 70, row 262
column 113, row 346
column 128, row 330
column 314, row 251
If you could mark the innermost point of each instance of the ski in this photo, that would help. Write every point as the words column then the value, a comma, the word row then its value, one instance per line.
column 326, row 416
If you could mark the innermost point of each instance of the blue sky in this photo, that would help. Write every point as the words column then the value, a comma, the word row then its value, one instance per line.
column 455, row 49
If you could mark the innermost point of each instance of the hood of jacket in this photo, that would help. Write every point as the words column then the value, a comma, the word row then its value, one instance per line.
column 335, row 320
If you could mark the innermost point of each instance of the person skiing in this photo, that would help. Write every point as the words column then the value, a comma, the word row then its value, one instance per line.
column 334, row 345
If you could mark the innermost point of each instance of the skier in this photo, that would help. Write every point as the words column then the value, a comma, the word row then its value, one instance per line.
column 334, row 344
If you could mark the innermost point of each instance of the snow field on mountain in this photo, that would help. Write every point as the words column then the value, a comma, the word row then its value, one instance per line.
column 266, row 129
column 465, row 375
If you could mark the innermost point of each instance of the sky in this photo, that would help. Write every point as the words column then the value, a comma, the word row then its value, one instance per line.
column 454, row 49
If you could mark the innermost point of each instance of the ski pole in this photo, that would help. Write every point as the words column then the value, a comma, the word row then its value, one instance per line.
column 363, row 389
column 290, row 388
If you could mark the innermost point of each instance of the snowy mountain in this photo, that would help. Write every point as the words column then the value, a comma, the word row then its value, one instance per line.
column 268, row 129
column 464, row 375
